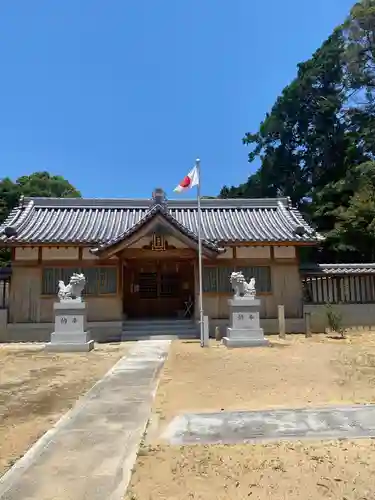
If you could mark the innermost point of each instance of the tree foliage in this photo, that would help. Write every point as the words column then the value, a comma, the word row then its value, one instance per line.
column 317, row 144
column 41, row 184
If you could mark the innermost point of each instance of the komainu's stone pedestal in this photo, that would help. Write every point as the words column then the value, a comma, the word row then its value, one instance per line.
column 70, row 326
column 244, row 330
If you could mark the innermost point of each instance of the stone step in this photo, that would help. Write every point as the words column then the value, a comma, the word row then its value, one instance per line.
column 160, row 326
column 159, row 321
column 136, row 335
column 132, row 336
column 162, row 329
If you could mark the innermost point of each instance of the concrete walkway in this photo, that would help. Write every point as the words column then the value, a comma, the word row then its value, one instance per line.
column 90, row 452
column 246, row 426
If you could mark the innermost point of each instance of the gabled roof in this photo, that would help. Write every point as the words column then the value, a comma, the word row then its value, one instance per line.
column 156, row 212
column 93, row 222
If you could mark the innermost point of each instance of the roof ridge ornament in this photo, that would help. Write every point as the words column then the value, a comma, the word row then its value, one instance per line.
column 10, row 231
column 159, row 199
column 300, row 230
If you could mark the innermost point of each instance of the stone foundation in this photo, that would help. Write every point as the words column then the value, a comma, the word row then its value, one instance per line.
column 70, row 333
column 244, row 330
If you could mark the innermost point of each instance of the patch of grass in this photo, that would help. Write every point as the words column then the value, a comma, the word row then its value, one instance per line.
column 334, row 319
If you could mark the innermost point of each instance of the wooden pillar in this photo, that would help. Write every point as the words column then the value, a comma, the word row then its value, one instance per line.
column 281, row 316
column 120, row 277
column 196, row 290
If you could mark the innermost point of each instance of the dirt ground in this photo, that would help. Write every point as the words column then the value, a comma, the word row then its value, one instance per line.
column 295, row 373
column 37, row 388
column 342, row 470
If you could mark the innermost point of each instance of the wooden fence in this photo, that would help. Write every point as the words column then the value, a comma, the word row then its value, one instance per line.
column 339, row 284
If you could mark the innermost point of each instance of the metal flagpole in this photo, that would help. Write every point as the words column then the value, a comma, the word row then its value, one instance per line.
column 198, row 167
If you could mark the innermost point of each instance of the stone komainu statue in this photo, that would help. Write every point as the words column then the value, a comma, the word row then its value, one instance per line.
column 240, row 287
column 74, row 289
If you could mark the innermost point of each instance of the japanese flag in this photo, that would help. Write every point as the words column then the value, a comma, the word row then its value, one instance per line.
column 191, row 180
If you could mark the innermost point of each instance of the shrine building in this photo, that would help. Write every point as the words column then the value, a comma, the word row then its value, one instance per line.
column 140, row 259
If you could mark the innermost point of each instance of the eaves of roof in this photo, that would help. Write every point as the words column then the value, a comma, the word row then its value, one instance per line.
column 151, row 214
column 95, row 222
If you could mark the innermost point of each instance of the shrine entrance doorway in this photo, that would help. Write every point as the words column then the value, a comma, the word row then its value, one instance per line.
column 159, row 289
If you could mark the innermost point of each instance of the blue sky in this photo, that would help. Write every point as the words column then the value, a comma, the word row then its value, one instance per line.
column 120, row 96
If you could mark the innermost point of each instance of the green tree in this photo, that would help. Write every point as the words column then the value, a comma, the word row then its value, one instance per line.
column 253, row 188
column 295, row 140
column 38, row 184
column 359, row 32
column 318, row 140
column 354, row 232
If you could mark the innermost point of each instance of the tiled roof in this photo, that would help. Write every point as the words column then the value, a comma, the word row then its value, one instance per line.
column 99, row 221
column 154, row 211
column 338, row 269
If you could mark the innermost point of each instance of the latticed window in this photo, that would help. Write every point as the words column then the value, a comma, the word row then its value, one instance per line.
column 99, row 280
column 209, row 279
column 216, row 278
column 262, row 275
column 223, row 275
